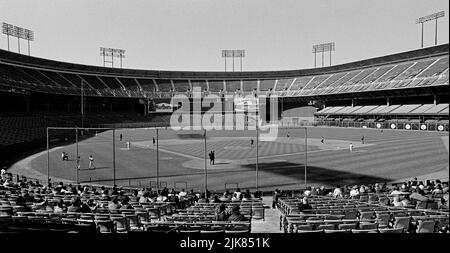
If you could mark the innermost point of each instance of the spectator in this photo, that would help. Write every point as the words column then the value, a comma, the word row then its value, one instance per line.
column 237, row 195
column 406, row 201
column 75, row 206
column 307, row 191
column 337, row 193
column 220, row 213
column 60, row 207
column 182, row 194
column 396, row 201
column 235, row 214
column 224, row 197
column 437, row 190
column 304, row 205
column 125, row 204
column 203, row 199
column 114, row 204
column 215, row 199
column 144, row 198
column 321, row 191
column 396, row 191
column 354, row 192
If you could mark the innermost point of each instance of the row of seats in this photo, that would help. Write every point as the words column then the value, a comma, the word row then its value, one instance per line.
column 424, row 72
column 353, row 214
column 384, row 109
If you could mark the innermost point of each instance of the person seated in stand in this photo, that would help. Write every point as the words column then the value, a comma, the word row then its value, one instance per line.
column 337, row 193
column 203, row 199
column 45, row 205
column 236, row 195
column 224, row 197
column 406, row 201
column 144, row 198
column 161, row 198
column 75, row 206
column 437, row 191
column 215, row 199
column 220, row 213
column 396, row 201
column 126, row 204
column 236, row 215
column 321, row 191
column 86, row 208
column 246, row 196
column 105, row 195
column 114, row 204
column 397, row 191
column 304, row 206
column 354, row 192
column 60, row 207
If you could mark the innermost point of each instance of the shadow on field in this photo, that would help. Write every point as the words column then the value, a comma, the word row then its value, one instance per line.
column 317, row 175
column 96, row 168
column 191, row 136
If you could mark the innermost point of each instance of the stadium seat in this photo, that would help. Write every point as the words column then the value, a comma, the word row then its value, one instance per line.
column 368, row 226
column 426, row 226
column 402, row 222
column 390, row 230
column 364, row 231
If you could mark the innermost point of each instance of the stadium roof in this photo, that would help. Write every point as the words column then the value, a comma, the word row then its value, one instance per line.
column 23, row 60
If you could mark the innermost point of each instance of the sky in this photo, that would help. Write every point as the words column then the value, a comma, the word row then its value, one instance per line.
column 188, row 35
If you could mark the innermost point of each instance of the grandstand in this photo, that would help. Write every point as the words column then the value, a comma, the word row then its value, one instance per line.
column 357, row 147
column 405, row 91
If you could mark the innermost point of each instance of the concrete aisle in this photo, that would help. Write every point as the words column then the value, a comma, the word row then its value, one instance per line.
column 271, row 224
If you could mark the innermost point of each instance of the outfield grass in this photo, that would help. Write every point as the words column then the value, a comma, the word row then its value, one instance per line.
column 385, row 157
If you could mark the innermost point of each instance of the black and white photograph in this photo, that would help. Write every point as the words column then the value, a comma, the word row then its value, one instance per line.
column 224, row 125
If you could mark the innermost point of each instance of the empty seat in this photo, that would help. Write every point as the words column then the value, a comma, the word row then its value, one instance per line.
column 426, row 226
column 402, row 222
column 390, row 230
column 361, row 231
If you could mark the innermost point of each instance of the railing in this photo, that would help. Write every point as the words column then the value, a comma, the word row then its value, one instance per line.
column 394, row 125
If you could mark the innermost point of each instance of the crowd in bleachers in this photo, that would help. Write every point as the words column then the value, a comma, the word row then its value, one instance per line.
column 27, row 205
column 411, row 207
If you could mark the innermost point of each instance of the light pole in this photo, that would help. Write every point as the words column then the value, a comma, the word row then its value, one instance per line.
column 113, row 52
column 306, row 153
column 19, row 33
column 206, row 167
column 233, row 54
column 435, row 17
column 157, row 160
column 322, row 48
column 257, row 149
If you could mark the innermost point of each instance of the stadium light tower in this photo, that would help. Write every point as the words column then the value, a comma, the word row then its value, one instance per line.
column 233, row 54
column 435, row 17
column 19, row 33
column 322, row 48
column 112, row 52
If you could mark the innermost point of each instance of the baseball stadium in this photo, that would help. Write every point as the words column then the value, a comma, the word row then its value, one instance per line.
column 354, row 147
